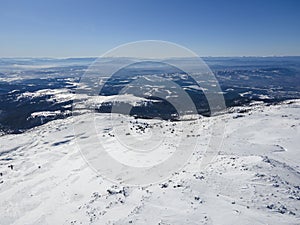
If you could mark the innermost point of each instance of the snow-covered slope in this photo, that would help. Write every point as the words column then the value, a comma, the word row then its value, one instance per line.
column 255, row 179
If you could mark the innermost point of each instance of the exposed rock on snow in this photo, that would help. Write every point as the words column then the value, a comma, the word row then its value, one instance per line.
column 255, row 179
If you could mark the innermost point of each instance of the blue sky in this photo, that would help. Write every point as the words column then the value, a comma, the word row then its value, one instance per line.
column 90, row 28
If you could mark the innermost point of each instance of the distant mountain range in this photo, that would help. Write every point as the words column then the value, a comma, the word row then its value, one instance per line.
column 45, row 87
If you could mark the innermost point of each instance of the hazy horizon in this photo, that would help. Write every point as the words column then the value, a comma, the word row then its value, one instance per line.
column 95, row 57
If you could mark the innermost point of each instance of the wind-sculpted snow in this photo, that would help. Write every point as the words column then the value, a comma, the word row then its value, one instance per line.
column 255, row 179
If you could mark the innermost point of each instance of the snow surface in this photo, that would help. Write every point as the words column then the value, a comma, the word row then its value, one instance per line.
column 255, row 179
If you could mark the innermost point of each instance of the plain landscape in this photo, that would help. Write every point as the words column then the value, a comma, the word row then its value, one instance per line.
column 254, row 177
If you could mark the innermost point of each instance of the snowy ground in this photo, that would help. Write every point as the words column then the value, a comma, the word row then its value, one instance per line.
column 255, row 179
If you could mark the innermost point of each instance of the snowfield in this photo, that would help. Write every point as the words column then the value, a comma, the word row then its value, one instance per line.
column 255, row 178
